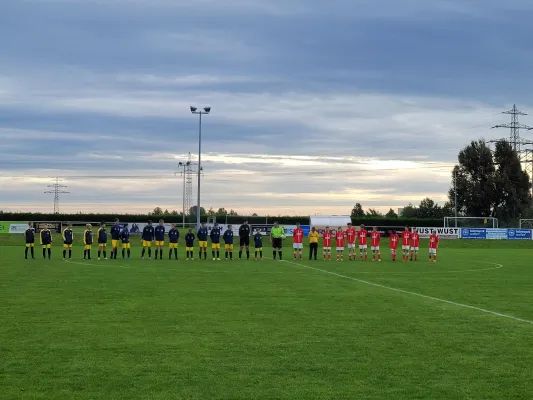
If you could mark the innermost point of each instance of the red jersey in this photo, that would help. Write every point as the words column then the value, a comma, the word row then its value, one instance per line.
column 406, row 235
column 433, row 241
column 298, row 235
column 339, row 239
column 415, row 239
column 394, row 239
column 327, row 239
column 362, row 237
column 350, row 235
column 375, row 237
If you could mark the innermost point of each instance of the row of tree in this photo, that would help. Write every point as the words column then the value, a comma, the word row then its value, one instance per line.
column 221, row 212
column 425, row 210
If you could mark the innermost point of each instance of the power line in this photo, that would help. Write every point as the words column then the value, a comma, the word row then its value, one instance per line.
column 187, row 174
column 56, row 191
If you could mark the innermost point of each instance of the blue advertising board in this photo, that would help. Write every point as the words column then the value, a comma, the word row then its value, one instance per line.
column 496, row 233
column 519, row 234
column 305, row 228
column 473, row 233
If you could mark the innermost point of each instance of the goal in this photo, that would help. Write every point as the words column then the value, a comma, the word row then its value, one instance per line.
column 525, row 223
column 470, row 222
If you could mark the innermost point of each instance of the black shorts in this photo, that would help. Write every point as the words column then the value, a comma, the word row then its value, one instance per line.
column 277, row 243
column 245, row 241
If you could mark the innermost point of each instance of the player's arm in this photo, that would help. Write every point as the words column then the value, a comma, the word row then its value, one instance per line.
column 41, row 237
column 85, row 238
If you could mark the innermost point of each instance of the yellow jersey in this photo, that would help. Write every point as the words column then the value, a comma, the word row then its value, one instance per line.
column 313, row 237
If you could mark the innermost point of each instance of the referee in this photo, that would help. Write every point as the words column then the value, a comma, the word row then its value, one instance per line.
column 244, row 239
column 276, row 238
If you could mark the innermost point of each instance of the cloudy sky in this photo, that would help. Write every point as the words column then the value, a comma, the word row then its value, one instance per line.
column 316, row 105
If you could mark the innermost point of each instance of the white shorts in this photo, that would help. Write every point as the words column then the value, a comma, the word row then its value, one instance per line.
column 414, row 248
column 362, row 247
column 327, row 248
column 375, row 248
column 432, row 251
column 298, row 246
column 393, row 250
column 406, row 247
column 351, row 245
column 340, row 248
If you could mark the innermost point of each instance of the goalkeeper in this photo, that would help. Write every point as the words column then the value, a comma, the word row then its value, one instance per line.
column 277, row 234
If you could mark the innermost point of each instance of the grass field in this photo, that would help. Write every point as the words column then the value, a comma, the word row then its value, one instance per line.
column 458, row 329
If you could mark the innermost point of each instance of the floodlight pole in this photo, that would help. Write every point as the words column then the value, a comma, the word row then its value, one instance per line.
column 205, row 111
column 455, row 193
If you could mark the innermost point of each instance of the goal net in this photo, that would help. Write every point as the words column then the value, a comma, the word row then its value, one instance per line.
column 470, row 222
column 526, row 223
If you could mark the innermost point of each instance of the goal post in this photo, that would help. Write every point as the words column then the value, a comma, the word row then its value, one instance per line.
column 470, row 222
column 525, row 223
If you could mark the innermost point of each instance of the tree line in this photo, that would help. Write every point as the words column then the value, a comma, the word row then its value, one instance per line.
column 427, row 209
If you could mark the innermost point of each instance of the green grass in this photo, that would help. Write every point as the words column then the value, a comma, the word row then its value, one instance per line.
column 267, row 330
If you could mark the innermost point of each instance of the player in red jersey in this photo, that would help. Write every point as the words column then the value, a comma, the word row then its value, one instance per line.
column 339, row 243
column 433, row 246
column 361, row 235
column 393, row 244
column 351, row 235
column 406, row 244
column 298, row 240
column 375, row 238
column 327, row 237
column 415, row 242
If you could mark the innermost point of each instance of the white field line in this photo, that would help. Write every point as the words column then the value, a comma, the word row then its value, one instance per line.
column 483, row 310
column 498, row 266
column 148, row 267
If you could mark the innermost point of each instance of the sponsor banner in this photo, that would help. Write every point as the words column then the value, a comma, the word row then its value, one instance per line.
column 473, row 233
column 53, row 226
column 289, row 230
column 136, row 228
column 519, row 234
column 5, row 225
column 496, row 233
column 18, row 228
column 442, row 233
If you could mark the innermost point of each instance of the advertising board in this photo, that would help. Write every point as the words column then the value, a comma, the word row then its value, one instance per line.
column 519, row 234
column 5, row 225
column 442, row 233
column 18, row 228
column 473, row 233
column 496, row 233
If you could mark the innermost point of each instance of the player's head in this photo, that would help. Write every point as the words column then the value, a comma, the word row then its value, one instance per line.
column 30, row 224
column 406, row 228
column 230, row 227
column 362, row 227
column 190, row 230
column 276, row 224
column 327, row 229
column 173, row 226
column 69, row 225
column 313, row 229
column 375, row 228
column 116, row 221
column 433, row 232
column 245, row 222
column 102, row 225
column 149, row 222
column 89, row 226
column 216, row 225
column 203, row 224
column 297, row 224
column 339, row 229
column 161, row 222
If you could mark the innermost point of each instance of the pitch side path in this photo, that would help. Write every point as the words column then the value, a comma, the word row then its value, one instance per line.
column 146, row 329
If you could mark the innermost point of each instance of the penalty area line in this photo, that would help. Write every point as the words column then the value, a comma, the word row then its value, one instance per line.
column 483, row 310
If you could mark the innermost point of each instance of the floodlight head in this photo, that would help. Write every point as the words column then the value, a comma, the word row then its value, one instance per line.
column 193, row 109
column 207, row 109
column 180, row 164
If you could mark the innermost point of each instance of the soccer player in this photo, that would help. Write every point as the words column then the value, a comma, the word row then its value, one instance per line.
column 29, row 235
column 298, row 241
column 46, row 242
column 244, row 239
column 375, row 238
column 159, row 233
column 68, row 238
column 202, row 240
column 415, row 241
column 362, row 234
column 277, row 233
column 258, row 244
column 351, row 236
column 147, row 239
column 115, row 239
column 173, row 239
column 393, row 244
column 313, row 243
column 339, row 243
column 327, row 237
column 126, row 245
column 189, row 244
column 87, row 241
column 228, row 242
column 406, row 244
column 215, row 234
column 433, row 246
column 102, row 241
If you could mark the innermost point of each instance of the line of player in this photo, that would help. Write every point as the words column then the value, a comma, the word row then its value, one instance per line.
column 409, row 237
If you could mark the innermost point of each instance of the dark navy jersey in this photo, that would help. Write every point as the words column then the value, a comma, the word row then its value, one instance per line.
column 202, row 234
column 228, row 237
column 30, row 235
column 102, row 236
column 148, row 233
column 115, row 232
column 159, row 233
column 174, row 235
column 258, row 240
column 125, row 235
column 68, row 236
column 244, row 231
column 189, row 240
column 215, row 235
column 88, row 237
column 46, row 236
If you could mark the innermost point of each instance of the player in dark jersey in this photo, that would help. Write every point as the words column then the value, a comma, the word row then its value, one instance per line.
column 126, row 245
column 228, row 242
column 202, row 240
column 29, row 235
column 189, row 244
column 159, row 233
column 215, row 234
column 87, row 242
column 68, row 239
column 115, row 239
column 147, row 239
column 258, row 244
column 46, row 242
column 173, row 239
column 244, row 239
column 102, row 241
